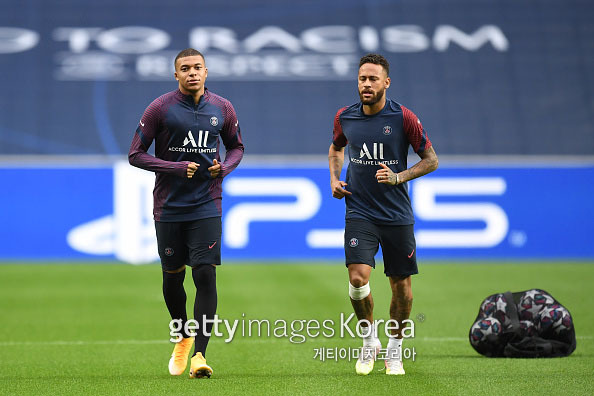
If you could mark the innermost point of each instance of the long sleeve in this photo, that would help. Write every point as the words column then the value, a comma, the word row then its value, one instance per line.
column 231, row 136
column 148, row 128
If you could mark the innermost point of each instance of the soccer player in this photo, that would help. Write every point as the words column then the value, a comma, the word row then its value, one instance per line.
column 378, row 132
column 186, row 125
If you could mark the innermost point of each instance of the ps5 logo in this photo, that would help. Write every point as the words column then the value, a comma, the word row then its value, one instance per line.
column 426, row 206
column 378, row 151
column 262, row 199
column 427, row 198
column 306, row 204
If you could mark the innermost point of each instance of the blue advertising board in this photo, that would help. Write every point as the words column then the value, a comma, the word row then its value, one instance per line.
column 287, row 212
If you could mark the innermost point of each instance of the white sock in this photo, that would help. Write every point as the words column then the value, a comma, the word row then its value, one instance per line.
column 371, row 339
column 395, row 344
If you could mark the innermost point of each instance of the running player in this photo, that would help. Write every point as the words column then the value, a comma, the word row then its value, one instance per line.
column 186, row 125
column 378, row 132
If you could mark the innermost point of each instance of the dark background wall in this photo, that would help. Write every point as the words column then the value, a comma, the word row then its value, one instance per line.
column 485, row 77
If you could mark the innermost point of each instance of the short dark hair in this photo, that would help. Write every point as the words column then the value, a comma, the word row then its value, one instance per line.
column 187, row 52
column 376, row 59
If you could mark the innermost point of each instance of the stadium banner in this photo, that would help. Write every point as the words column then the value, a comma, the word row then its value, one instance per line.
column 287, row 212
column 497, row 77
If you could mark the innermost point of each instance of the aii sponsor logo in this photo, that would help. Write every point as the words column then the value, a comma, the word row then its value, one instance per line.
column 201, row 142
column 202, row 138
column 195, row 145
column 169, row 252
column 354, row 242
column 214, row 121
column 387, row 130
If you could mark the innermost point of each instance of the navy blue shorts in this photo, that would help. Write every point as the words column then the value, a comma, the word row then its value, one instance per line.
column 362, row 239
column 190, row 243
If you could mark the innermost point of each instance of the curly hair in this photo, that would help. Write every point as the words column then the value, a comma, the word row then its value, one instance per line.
column 376, row 59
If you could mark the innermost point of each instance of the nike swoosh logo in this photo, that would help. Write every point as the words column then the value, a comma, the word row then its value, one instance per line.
column 211, row 246
column 141, row 123
column 411, row 253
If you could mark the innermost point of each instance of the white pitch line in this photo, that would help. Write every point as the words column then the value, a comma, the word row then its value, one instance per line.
column 446, row 339
column 113, row 342
column 240, row 339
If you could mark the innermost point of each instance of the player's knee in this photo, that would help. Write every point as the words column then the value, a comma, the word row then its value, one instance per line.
column 204, row 275
column 359, row 293
column 358, row 278
column 400, row 279
column 175, row 271
column 358, row 281
column 401, row 283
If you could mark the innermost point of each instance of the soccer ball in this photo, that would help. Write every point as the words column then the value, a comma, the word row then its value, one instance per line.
column 488, row 306
column 527, row 328
column 532, row 302
column 555, row 318
column 495, row 306
column 485, row 330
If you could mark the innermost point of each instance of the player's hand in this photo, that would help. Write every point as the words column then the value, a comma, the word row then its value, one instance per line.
column 191, row 169
column 385, row 175
column 338, row 191
column 215, row 169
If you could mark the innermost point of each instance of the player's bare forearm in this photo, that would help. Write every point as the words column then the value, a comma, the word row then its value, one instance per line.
column 427, row 164
column 335, row 161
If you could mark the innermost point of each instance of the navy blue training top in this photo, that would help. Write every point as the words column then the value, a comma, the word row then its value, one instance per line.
column 383, row 137
column 184, row 132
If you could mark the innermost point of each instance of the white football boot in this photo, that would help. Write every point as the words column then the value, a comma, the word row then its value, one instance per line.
column 367, row 358
column 394, row 365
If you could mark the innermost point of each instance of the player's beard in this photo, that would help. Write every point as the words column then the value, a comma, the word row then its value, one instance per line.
column 374, row 99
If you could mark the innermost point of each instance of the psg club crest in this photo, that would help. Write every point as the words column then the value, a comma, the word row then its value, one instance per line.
column 168, row 252
column 214, row 121
column 354, row 242
column 387, row 130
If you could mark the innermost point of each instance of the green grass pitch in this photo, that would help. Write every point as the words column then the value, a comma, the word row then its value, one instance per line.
column 102, row 329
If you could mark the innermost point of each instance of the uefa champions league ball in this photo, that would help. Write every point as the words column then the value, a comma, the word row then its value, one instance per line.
column 500, row 308
column 495, row 306
column 532, row 302
column 554, row 318
column 527, row 328
column 484, row 330
column 489, row 306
